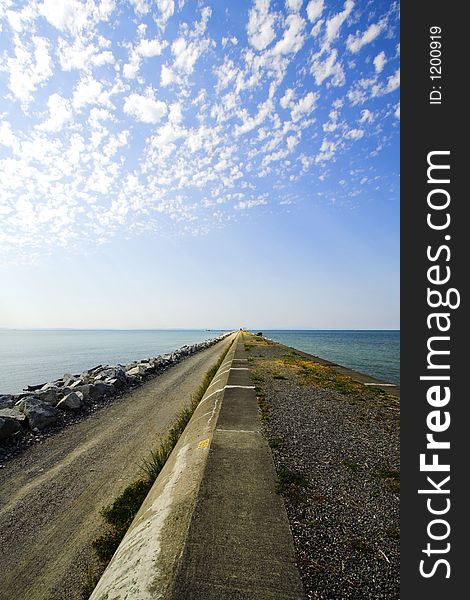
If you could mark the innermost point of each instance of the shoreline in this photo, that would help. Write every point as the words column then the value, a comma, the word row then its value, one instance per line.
column 41, row 409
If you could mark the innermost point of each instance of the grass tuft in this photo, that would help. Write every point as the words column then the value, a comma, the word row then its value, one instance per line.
column 291, row 484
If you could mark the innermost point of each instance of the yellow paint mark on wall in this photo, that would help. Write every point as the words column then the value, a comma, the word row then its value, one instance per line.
column 203, row 443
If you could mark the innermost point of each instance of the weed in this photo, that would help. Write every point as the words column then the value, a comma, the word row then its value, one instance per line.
column 394, row 534
column 351, row 465
column 279, row 376
column 291, row 484
column 360, row 545
column 275, row 442
column 392, row 479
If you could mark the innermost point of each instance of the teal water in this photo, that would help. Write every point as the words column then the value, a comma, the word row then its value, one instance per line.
column 375, row 353
column 29, row 357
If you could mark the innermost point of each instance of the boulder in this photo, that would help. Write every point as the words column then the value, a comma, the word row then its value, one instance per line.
column 7, row 401
column 38, row 413
column 51, row 395
column 9, row 428
column 12, row 413
column 76, row 383
column 100, row 389
column 73, row 401
column 85, row 390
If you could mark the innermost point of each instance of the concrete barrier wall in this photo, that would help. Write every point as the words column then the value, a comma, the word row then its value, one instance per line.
column 146, row 561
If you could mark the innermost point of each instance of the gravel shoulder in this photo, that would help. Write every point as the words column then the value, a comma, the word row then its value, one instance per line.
column 51, row 494
column 336, row 443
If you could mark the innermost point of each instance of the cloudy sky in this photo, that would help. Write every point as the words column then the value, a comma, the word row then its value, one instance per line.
column 181, row 163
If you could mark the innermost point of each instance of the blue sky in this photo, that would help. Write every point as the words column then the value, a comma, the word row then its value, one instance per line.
column 192, row 164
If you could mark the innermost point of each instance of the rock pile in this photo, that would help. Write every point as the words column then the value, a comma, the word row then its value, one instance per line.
column 39, row 406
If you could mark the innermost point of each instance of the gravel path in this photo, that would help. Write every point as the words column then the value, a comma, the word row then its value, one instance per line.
column 51, row 494
column 344, row 514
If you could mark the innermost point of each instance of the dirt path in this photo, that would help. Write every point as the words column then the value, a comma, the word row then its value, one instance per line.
column 51, row 495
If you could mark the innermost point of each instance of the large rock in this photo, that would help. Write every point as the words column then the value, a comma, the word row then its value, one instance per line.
column 85, row 390
column 100, row 389
column 73, row 401
column 12, row 413
column 51, row 395
column 38, row 413
column 6, row 401
column 9, row 428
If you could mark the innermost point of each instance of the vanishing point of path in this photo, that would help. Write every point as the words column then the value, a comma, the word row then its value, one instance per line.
column 51, row 495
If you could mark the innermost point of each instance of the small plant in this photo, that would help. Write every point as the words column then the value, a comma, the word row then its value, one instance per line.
column 275, row 443
column 292, row 485
column 394, row 534
column 264, row 410
column 360, row 545
column 279, row 376
column 392, row 479
column 351, row 465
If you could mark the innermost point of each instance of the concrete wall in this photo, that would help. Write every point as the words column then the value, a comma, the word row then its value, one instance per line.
column 146, row 561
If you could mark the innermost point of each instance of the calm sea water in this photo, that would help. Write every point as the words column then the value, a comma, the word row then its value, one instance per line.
column 29, row 357
column 375, row 353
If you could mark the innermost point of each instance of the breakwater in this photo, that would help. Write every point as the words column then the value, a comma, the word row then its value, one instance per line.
column 40, row 406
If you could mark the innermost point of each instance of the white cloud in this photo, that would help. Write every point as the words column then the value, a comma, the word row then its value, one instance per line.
column 393, row 82
column 145, row 108
column 167, row 76
column 88, row 91
column 60, row 113
column 167, row 9
column 25, row 74
column 334, row 24
column 304, row 106
column 260, row 27
column 314, row 10
column 293, row 37
column 141, row 7
column 250, row 123
column 379, row 62
column 65, row 15
column 294, row 5
column 397, row 111
column 149, row 48
column 328, row 68
column 354, row 134
column 367, row 116
column 327, row 151
column 244, row 204
column 354, row 43
column 288, row 97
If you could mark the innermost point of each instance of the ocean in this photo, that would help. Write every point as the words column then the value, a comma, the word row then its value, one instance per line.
column 375, row 353
column 29, row 357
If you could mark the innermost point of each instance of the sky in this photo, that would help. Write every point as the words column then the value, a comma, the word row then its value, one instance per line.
column 176, row 163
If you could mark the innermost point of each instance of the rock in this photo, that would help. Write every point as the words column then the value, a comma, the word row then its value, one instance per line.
column 38, row 413
column 100, row 389
column 135, row 371
column 33, row 388
column 76, row 383
column 85, row 390
column 73, row 401
column 12, row 413
column 6, row 401
column 9, row 428
column 94, row 370
column 51, row 395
